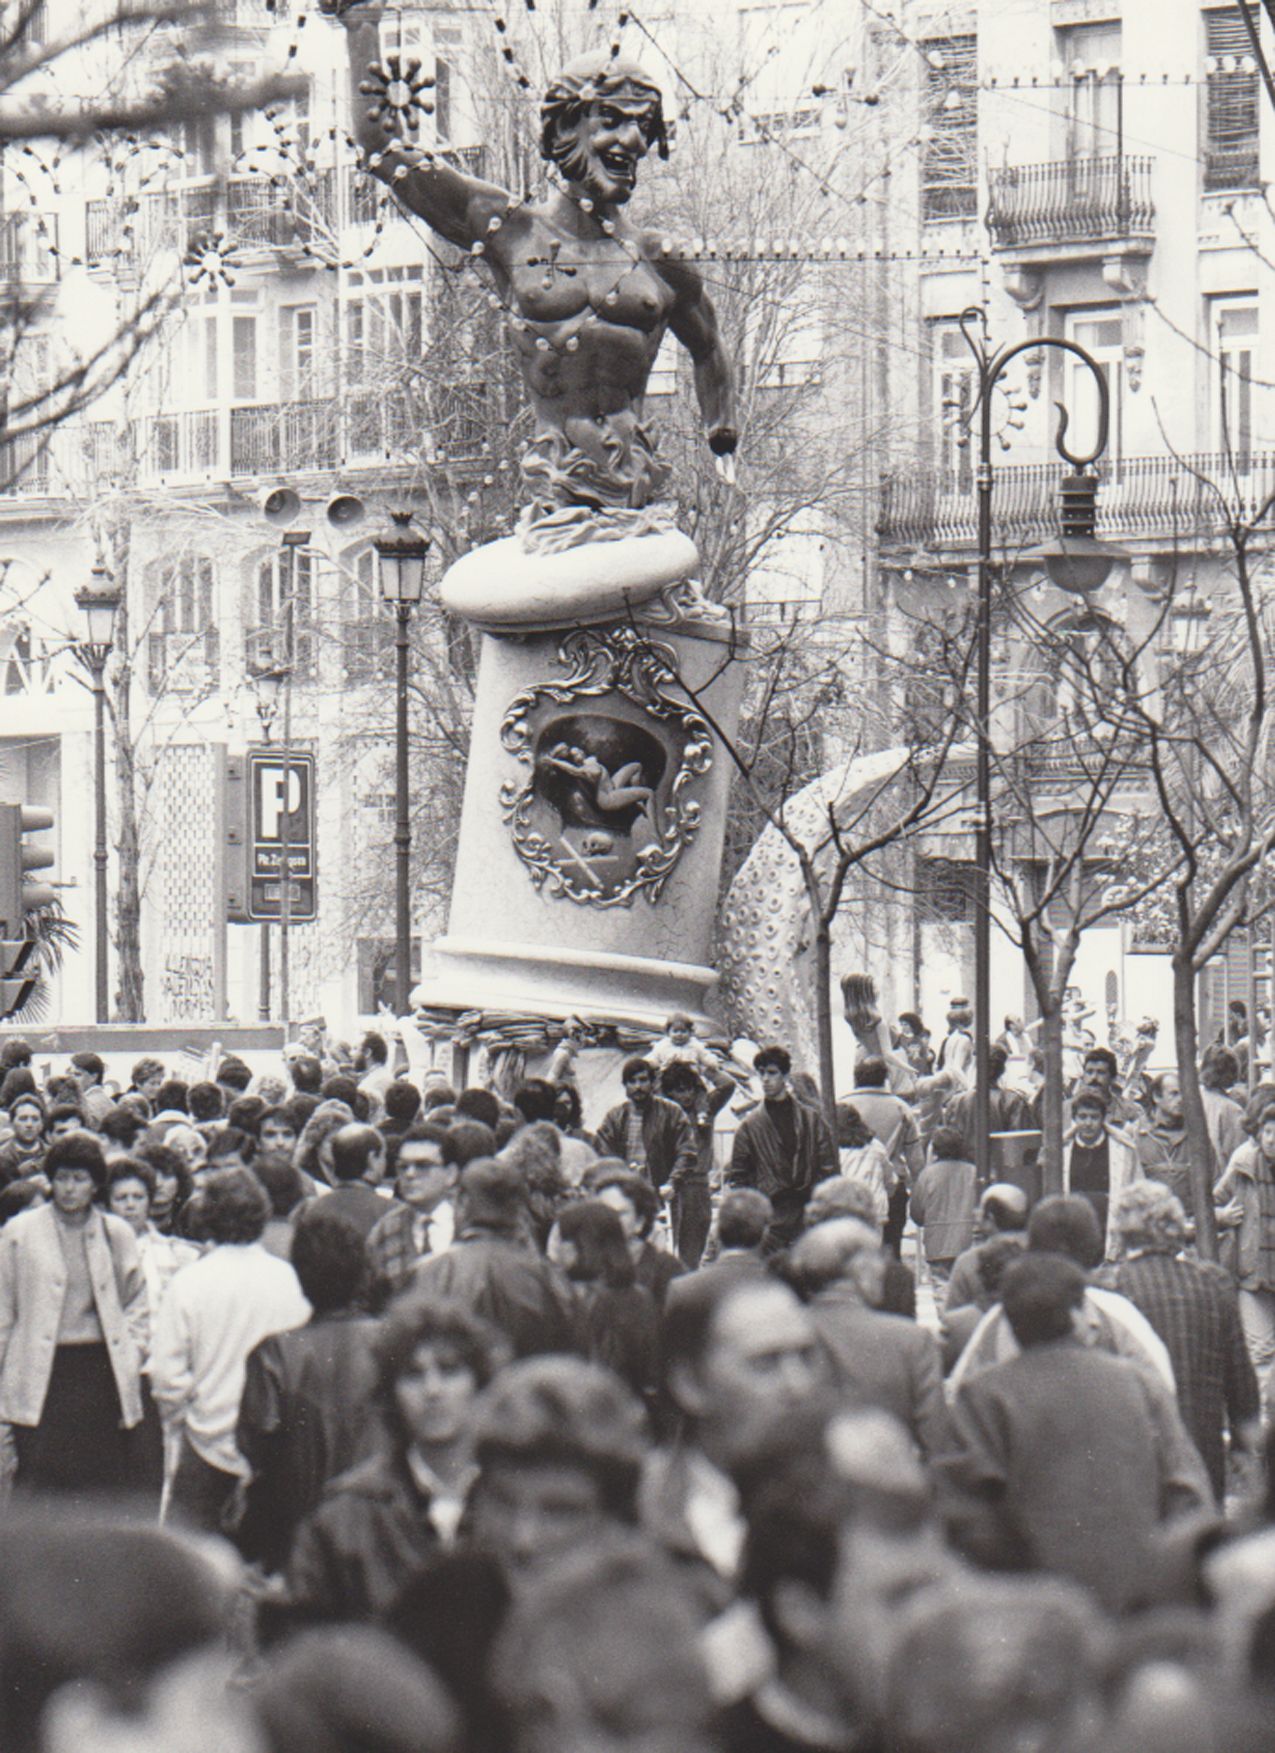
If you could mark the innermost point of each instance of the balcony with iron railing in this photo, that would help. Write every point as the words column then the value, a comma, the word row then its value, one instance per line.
column 1072, row 201
column 1139, row 498
column 249, row 212
column 29, row 248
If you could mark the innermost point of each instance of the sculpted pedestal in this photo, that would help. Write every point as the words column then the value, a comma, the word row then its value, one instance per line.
column 594, row 814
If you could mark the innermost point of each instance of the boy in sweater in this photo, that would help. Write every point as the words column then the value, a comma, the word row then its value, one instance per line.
column 942, row 1206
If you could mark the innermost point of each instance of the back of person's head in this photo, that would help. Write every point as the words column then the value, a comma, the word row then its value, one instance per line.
column 121, row 1126
column 534, row 1148
column 439, row 1095
column 535, row 1099
column 205, row 1102
column 635, row 1188
column 827, row 1253
column 96, row 1609
column 233, row 1206
column 313, row 1695
column 1149, row 1218
column 493, row 1196
column 617, row 1625
column 561, row 1411
column 374, row 1049
column 76, row 1150
column 995, row 1257
column 233, row 1074
column 1039, row 1294
column 282, row 1182
column 14, row 1052
column 299, row 1106
column 467, row 1140
column 743, row 1218
column 19, row 1196
column 870, row 1072
column 840, row 1196
column 853, row 1132
column 306, row 1073
column 1066, row 1223
column 776, row 1057
column 1219, row 1068
column 246, row 1112
column 1259, row 1103
column 476, row 1103
column 997, row 1060
column 345, row 1089
column 171, row 1097
column 597, row 1237
column 1005, row 1206
column 231, row 1141
column 329, row 1258
column 947, row 1145
column 20, row 1081
column 327, row 1118
column 353, row 1148
column 402, row 1102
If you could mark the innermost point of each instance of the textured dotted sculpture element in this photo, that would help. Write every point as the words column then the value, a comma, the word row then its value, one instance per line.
column 396, row 90
column 766, row 949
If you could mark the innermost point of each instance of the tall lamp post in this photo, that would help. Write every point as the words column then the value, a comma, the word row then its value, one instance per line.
column 1075, row 561
column 267, row 678
column 99, row 603
column 401, row 551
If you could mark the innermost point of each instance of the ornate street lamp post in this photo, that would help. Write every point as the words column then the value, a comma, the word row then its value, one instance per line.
column 1075, row 561
column 401, row 551
column 99, row 602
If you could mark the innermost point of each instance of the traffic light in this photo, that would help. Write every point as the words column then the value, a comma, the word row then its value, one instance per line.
column 18, row 897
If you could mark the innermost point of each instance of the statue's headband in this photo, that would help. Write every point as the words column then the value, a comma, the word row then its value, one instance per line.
column 585, row 83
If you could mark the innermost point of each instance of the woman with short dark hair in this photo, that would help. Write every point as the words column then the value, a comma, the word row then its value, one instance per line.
column 74, row 1329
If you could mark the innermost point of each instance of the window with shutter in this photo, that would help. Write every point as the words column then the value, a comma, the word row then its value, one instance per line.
column 949, row 162
column 1231, row 103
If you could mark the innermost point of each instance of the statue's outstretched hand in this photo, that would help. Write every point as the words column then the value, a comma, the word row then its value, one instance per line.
column 725, row 466
column 722, row 441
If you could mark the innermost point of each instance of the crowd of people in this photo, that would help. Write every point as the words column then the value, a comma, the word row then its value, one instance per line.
column 350, row 1410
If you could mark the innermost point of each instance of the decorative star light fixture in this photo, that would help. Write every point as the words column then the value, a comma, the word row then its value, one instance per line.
column 209, row 259
column 396, row 88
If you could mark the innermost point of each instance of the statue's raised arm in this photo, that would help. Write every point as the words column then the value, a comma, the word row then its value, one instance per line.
column 589, row 296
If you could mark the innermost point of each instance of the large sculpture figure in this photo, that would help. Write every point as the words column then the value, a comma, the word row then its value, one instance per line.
column 591, row 836
column 588, row 295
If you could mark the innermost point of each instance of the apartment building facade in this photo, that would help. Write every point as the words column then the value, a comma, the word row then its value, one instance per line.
column 1094, row 171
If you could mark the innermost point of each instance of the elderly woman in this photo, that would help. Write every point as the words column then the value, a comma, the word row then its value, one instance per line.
column 1192, row 1306
column 74, row 1329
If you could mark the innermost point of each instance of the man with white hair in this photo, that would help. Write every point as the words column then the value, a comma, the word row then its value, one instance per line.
column 1193, row 1307
column 877, row 1360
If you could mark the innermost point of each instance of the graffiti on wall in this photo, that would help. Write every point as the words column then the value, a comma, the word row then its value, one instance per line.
column 186, row 983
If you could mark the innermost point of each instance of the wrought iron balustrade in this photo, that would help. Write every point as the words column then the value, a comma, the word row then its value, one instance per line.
column 1137, row 497
column 283, row 438
column 1071, row 200
column 28, row 247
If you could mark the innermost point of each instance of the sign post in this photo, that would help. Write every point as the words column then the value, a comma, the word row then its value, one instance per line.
column 271, row 825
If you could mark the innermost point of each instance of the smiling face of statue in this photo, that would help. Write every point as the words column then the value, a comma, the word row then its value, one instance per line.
column 599, row 154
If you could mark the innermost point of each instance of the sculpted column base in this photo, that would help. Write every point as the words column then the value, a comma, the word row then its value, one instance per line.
column 594, row 814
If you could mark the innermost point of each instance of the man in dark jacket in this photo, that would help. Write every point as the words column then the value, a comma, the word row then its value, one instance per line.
column 494, row 1271
column 303, row 1417
column 783, row 1148
column 649, row 1133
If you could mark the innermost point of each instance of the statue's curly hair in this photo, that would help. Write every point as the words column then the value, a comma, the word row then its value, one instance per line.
column 592, row 79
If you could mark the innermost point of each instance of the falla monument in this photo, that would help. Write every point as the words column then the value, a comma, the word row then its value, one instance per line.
column 596, row 792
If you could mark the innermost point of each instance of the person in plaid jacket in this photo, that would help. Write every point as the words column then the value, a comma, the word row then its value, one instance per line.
column 422, row 1219
column 1192, row 1306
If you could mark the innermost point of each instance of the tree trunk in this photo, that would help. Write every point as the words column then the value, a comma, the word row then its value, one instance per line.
column 823, row 1023
column 1051, row 1100
column 1199, row 1148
